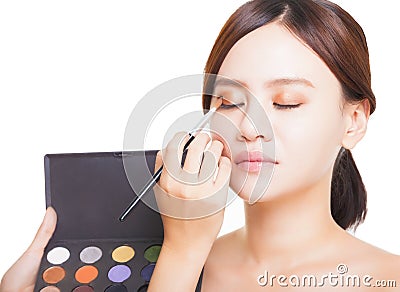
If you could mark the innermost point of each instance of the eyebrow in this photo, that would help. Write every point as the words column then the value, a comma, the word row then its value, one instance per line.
column 288, row 81
column 279, row 82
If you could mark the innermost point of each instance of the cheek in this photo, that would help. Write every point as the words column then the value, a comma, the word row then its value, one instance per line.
column 314, row 132
column 224, row 129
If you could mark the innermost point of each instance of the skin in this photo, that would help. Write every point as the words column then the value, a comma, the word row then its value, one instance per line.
column 289, row 230
column 22, row 274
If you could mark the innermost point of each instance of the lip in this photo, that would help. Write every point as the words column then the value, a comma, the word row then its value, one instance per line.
column 253, row 156
column 253, row 161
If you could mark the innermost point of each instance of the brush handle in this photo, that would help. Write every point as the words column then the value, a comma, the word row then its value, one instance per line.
column 153, row 181
column 157, row 175
column 149, row 184
column 185, row 150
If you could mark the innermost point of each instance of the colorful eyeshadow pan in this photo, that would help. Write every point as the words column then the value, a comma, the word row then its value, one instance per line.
column 58, row 255
column 106, row 274
column 90, row 254
column 86, row 274
column 123, row 254
column 53, row 275
column 50, row 289
column 151, row 254
column 83, row 289
column 91, row 250
column 119, row 273
column 143, row 288
column 116, row 288
column 147, row 272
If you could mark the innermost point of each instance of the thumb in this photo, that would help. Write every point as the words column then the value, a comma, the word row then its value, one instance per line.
column 22, row 274
column 45, row 231
column 158, row 161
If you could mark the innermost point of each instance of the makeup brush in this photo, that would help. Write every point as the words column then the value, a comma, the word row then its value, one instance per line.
column 157, row 174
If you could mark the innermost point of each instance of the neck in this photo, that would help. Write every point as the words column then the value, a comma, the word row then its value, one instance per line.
column 290, row 225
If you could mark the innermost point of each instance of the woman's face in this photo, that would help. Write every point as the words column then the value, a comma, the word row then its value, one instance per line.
column 293, row 89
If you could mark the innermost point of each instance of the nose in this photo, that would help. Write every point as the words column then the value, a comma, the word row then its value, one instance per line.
column 255, row 124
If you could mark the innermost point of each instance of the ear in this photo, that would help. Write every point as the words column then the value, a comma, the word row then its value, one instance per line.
column 357, row 116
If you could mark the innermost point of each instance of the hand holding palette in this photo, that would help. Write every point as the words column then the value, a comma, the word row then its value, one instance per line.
column 91, row 250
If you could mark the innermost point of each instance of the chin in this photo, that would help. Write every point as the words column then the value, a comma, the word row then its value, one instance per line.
column 252, row 190
column 250, row 185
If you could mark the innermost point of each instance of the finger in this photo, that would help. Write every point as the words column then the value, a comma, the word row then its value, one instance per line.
column 23, row 272
column 159, row 161
column 172, row 154
column 195, row 152
column 45, row 231
column 224, row 171
column 211, row 160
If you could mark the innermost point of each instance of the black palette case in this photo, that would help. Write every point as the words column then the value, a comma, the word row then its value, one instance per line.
column 91, row 250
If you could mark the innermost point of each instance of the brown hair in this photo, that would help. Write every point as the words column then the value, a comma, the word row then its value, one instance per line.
column 340, row 42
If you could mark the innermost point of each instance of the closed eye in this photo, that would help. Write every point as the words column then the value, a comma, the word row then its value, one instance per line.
column 230, row 106
column 285, row 106
column 226, row 104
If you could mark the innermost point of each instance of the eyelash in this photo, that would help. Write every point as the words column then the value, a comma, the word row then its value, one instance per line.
column 276, row 105
column 230, row 106
column 285, row 106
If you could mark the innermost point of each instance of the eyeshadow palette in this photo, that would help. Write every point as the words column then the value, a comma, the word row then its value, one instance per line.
column 91, row 250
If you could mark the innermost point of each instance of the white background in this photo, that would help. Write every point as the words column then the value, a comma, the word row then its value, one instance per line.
column 72, row 71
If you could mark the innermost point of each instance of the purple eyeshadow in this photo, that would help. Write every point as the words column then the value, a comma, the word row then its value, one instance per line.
column 119, row 273
column 147, row 272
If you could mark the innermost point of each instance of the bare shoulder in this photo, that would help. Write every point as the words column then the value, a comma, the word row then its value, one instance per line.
column 368, row 258
column 225, row 248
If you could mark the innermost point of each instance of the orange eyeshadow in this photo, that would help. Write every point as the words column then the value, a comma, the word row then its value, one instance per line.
column 53, row 275
column 86, row 274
